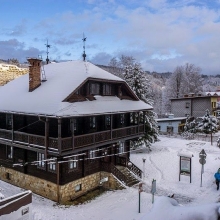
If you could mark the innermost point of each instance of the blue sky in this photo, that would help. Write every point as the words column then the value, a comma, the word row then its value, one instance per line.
column 158, row 33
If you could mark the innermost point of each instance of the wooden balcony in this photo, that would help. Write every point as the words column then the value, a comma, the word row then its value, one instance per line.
column 68, row 143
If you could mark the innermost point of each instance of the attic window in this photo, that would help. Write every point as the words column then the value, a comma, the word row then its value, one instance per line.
column 94, row 88
column 107, row 89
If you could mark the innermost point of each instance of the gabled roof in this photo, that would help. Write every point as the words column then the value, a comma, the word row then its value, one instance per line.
column 62, row 79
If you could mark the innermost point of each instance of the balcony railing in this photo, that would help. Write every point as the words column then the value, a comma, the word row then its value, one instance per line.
column 68, row 142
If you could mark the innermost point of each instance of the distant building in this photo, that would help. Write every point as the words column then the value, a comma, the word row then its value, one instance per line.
column 196, row 104
column 171, row 125
column 9, row 72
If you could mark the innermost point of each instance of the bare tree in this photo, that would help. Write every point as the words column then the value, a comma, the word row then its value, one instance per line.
column 193, row 79
column 126, row 61
column 184, row 80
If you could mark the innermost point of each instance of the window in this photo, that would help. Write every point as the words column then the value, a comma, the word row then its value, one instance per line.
column 9, row 150
column 121, row 148
column 92, row 154
column 74, row 124
column 8, row 176
column 131, row 118
column 141, row 117
column 108, row 121
column 122, row 119
column 52, row 164
column 94, row 89
column 107, row 89
column 78, row 187
column 187, row 104
column 40, row 158
column 213, row 104
column 136, row 118
column 9, row 121
column 169, row 129
column 92, row 122
column 73, row 163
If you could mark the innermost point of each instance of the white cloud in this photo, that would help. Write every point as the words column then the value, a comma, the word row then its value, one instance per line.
column 147, row 30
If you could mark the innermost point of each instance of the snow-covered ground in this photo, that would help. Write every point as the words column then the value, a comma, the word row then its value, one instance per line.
column 162, row 164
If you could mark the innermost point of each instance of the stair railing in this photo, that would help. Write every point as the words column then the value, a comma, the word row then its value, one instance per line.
column 111, row 168
column 133, row 168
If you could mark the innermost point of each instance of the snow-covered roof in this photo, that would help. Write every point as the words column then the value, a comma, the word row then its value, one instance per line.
column 212, row 93
column 170, row 119
column 62, row 79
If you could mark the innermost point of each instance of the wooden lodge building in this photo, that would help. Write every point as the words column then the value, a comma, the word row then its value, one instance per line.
column 65, row 127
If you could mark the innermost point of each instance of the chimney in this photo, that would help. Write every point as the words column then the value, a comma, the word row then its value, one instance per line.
column 34, row 73
column 171, row 116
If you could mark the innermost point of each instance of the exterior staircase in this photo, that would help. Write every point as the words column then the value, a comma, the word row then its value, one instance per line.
column 131, row 178
column 127, row 172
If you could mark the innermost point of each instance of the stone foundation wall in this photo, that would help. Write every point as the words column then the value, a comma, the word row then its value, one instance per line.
column 60, row 193
column 69, row 191
column 39, row 186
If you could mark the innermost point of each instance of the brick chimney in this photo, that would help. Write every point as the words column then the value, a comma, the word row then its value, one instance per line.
column 34, row 73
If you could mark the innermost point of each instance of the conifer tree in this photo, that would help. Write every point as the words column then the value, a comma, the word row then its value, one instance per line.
column 207, row 123
column 139, row 83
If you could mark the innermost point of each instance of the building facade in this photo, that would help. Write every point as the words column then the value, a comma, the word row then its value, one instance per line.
column 171, row 124
column 65, row 129
column 195, row 105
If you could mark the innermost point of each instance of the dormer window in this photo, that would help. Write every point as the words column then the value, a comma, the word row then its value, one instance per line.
column 94, row 88
column 107, row 89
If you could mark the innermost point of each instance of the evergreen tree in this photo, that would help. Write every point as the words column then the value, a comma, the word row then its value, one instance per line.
column 189, row 128
column 207, row 123
column 139, row 83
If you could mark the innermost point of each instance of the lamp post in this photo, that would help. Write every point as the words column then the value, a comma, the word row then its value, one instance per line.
column 143, row 167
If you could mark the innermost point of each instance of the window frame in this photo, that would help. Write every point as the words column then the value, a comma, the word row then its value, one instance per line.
column 94, row 88
column 121, row 148
column 107, row 89
column 9, row 152
column 78, row 187
column 73, row 165
column 108, row 121
column 187, row 104
column 122, row 119
column 9, row 121
column 41, row 164
column 52, row 166
column 92, row 122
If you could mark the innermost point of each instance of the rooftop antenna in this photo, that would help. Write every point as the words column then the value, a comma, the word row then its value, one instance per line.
column 84, row 54
column 48, row 46
column 43, row 75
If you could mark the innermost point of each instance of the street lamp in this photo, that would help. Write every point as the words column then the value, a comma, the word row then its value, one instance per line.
column 143, row 167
